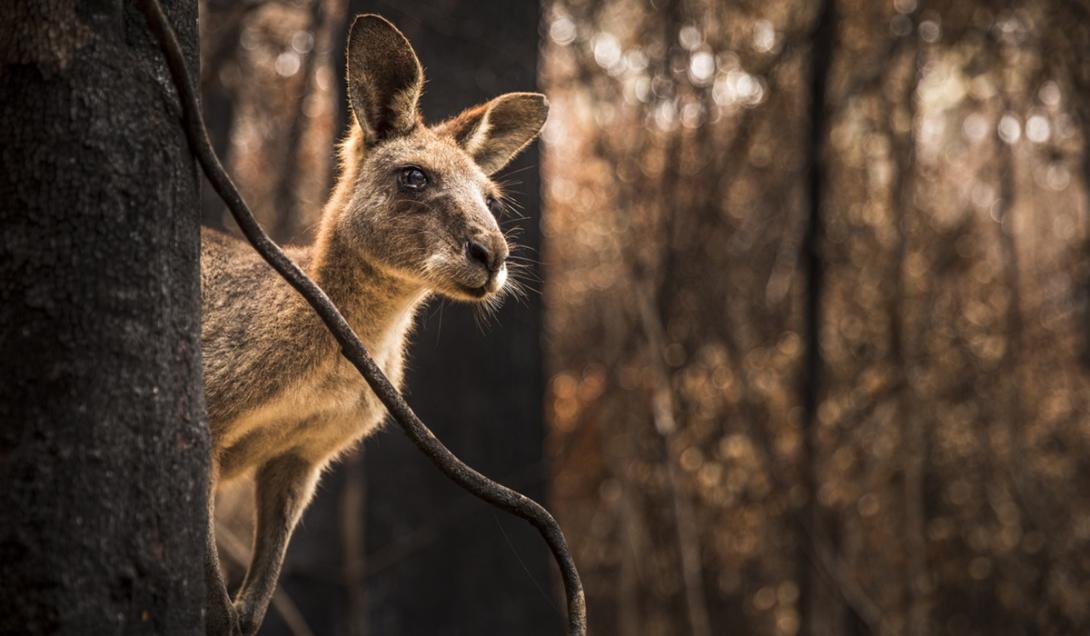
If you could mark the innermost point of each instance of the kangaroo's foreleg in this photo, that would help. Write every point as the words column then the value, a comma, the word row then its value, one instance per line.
column 283, row 487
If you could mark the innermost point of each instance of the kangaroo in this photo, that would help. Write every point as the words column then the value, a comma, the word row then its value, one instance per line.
column 414, row 213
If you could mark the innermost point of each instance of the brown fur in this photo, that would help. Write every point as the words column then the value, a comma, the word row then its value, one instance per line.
column 282, row 402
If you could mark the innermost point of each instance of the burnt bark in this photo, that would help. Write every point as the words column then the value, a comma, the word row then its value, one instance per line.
column 103, row 452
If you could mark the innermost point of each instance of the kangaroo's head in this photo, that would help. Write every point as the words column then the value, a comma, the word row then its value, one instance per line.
column 423, row 206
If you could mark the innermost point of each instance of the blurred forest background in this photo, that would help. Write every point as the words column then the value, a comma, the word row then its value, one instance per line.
column 811, row 352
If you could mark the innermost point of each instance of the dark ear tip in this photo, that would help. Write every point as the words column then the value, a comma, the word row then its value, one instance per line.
column 542, row 100
column 535, row 102
column 372, row 23
column 371, row 19
column 374, row 40
column 543, row 106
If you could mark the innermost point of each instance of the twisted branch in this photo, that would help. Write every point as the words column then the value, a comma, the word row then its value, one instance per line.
column 353, row 350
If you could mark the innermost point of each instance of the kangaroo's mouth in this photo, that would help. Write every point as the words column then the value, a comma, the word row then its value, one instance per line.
column 473, row 292
column 492, row 285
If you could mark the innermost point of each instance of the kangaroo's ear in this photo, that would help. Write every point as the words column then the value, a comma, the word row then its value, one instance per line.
column 384, row 78
column 495, row 132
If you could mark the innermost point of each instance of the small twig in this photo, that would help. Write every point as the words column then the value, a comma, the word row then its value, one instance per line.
column 353, row 350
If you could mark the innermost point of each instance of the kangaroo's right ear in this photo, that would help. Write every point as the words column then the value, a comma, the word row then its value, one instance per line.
column 384, row 79
column 494, row 132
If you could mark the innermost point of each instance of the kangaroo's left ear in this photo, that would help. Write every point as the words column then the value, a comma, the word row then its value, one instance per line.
column 384, row 78
column 493, row 133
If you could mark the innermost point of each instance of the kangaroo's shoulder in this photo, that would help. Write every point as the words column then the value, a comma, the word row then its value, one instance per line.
column 257, row 334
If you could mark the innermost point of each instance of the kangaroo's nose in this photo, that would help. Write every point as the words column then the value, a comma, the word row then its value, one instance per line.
column 479, row 253
column 490, row 258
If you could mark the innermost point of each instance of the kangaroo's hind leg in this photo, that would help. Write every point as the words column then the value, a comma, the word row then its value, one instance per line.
column 283, row 487
column 220, row 618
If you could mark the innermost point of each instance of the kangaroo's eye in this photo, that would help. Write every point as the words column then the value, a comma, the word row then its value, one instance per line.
column 412, row 178
column 494, row 206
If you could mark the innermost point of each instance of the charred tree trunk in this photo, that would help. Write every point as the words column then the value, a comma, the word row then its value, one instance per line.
column 103, row 451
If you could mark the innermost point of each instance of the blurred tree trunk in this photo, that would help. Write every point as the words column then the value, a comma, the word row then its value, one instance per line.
column 478, row 385
column 222, row 22
column 353, row 510
column 813, row 262
column 1012, row 352
column 1069, row 31
column 651, row 312
column 103, row 453
column 903, row 132
column 325, row 17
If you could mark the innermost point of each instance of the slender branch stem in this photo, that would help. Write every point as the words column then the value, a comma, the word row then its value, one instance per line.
column 353, row 350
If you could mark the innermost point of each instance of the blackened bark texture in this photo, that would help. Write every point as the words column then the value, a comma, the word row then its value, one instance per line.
column 437, row 561
column 813, row 260
column 103, row 448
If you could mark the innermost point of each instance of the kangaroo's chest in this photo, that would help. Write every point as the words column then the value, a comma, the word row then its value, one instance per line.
column 316, row 417
column 345, row 408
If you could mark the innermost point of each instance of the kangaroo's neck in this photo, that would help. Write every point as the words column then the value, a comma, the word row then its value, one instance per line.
column 377, row 303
